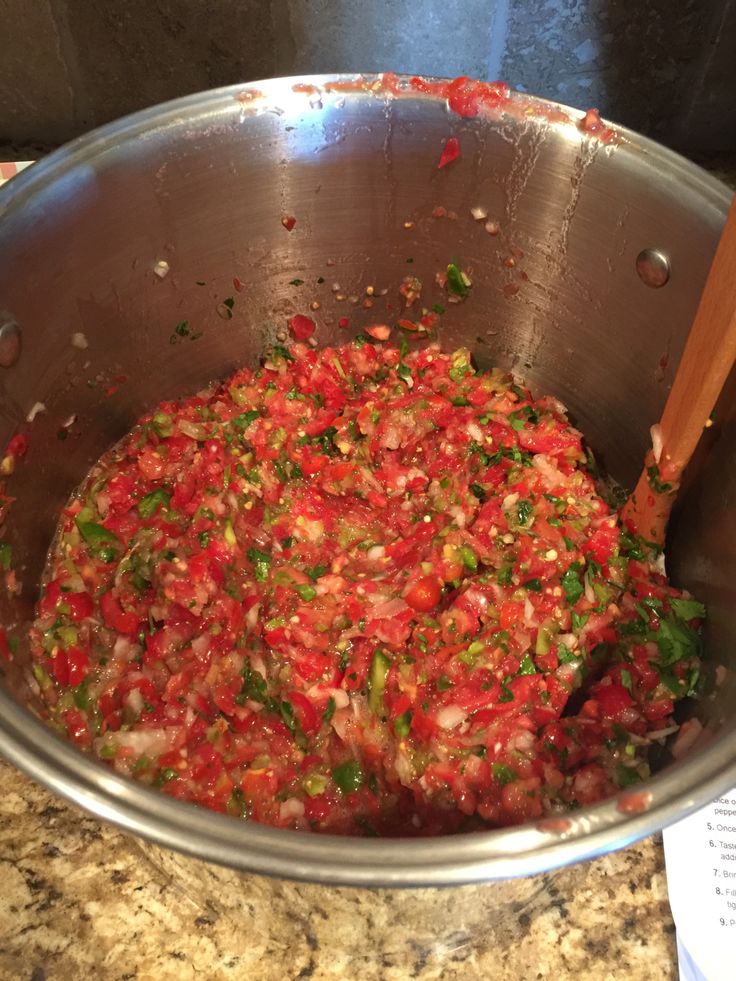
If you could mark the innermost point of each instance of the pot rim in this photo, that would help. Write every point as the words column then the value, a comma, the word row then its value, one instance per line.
column 449, row 860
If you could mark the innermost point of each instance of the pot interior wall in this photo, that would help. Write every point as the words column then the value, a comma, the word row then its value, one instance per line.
column 555, row 294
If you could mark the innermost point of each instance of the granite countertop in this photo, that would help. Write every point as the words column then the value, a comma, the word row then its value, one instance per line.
column 79, row 900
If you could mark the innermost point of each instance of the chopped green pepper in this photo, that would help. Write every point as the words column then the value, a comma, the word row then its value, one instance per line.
column 348, row 776
column 377, row 680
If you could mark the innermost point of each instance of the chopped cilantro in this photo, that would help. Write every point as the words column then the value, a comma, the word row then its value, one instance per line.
column 572, row 585
column 687, row 609
column 261, row 563
column 503, row 773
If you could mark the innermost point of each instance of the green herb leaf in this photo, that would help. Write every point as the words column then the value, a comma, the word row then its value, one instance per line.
column 402, row 724
column 279, row 351
column 166, row 776
column 572, row 585
column 503, row 773
column 316, row 571
column 246, row 418
column 566, row 656
column 329, row 710
column 688, row 609
column 675, row 641
column 527, row 665
column 306, row 592
column 626, row 776
column 6, row 555
column 261, row 563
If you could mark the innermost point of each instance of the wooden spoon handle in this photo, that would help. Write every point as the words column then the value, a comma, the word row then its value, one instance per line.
column 706, row 362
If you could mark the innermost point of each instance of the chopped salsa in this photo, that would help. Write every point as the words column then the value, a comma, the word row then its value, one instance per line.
column 361, row 591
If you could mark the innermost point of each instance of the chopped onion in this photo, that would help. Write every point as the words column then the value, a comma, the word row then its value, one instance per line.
column 291, row 808
column 251, row 617
column 656, row 433
column 386, row 609
column 404, row 769
column 341, row 697
column 38, row 407
column 450, row 716
column 663, row 733
column 79, row 340
column 152, row 742
column 134, row 700
column 194, row 430
column 529, row 618
column 161, row 268
column 480, row 214
column 686, row 737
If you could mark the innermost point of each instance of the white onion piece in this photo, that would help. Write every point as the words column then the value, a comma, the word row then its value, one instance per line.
column 450, row 716
column 134, row 700
column 37, row 408
column 291, row 808
column 529, row 620
column 200, row 645
column 404, row 768
column 251, row 617
column 663, row 733
column 656, row 433
column 341, row 697
column 386, row 609
column 152, row 742
column 124, row 649
column 686, row 737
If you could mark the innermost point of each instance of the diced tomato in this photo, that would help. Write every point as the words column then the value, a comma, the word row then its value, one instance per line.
column 450, row 152
column 355, row 589
column 80, row 605
column 115, row 617
column 424, row 594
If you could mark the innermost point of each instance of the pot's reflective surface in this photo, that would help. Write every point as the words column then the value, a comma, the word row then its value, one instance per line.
column 146, row 223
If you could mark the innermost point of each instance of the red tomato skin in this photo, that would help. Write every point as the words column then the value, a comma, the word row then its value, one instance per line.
column 301, row 327
column 450, row 152
column 424, row 595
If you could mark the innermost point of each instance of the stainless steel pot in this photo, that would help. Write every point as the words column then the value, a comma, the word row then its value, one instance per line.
column 116, row 238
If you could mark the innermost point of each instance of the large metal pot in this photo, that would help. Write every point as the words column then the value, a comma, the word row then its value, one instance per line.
column 198, row 187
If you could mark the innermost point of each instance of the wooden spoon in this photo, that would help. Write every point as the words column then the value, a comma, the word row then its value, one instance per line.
column 706, row 362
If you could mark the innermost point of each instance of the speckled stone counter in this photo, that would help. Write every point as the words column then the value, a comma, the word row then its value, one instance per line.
column 79, row 900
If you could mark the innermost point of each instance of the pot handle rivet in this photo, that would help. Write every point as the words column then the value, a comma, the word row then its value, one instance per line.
column 653, row 267
column 9, row 341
